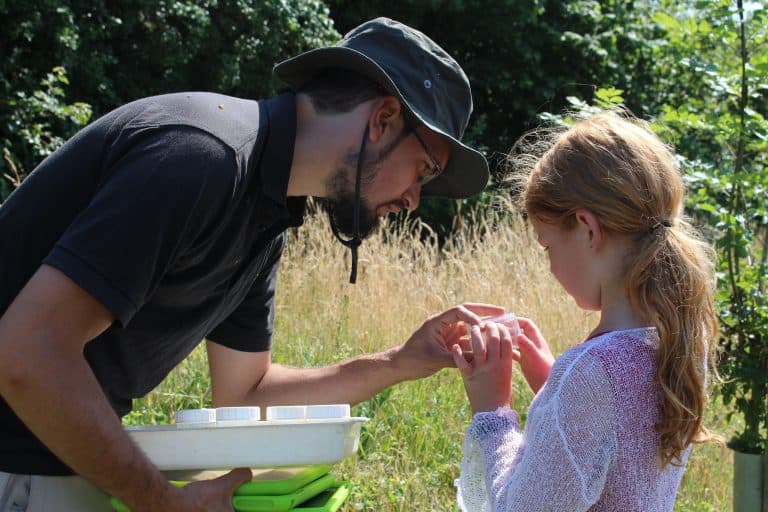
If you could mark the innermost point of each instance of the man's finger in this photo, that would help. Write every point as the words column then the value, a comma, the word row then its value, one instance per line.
column 455, row 333
column 235, row 478
column 470, row 313
column 484, row 309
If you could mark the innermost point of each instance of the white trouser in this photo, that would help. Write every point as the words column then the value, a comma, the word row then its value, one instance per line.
column 34, row 493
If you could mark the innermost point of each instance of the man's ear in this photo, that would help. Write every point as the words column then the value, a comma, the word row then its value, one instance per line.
column 588, row 222
column 385, row 118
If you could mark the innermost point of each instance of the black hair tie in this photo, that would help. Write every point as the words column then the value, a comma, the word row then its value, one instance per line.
column 664, row 223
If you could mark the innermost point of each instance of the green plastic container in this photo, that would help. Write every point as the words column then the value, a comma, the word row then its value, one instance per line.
column 262, row 485
column 265, row 494
column 329, row 500
column 283, row 502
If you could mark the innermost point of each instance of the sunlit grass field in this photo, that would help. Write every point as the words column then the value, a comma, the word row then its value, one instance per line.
column 411, row 447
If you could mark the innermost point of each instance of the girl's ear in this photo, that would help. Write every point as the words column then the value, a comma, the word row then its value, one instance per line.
column 588, row 222
column 385, row 118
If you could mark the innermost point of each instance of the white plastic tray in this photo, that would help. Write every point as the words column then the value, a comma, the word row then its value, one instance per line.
column 260, row 444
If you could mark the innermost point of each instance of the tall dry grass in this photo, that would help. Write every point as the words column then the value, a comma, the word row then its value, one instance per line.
column 410, row 449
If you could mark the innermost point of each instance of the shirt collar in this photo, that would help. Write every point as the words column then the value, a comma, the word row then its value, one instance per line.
column 279, row 123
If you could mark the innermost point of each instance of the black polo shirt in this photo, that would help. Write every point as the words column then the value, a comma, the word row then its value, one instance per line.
column 171, row 212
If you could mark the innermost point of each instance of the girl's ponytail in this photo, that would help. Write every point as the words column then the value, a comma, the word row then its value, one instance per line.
column 670, row 283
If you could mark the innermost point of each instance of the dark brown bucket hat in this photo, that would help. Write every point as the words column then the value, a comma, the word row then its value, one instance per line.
column 426, row 80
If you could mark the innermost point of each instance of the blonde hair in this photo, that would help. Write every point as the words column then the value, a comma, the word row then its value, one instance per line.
column 627, row 177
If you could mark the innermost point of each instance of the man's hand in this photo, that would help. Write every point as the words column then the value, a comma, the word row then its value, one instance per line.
column 207, row 495
column 534, row 355
column 488, row 373
column 429, row 348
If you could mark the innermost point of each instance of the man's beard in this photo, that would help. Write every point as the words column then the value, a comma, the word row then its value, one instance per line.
column 342, row 197
column 342, row 191
column 342, row 212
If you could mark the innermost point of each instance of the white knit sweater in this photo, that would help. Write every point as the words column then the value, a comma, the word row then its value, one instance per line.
column 589, row 441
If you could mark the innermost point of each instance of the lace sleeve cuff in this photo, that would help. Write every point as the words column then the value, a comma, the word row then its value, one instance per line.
column 490, row 445
column 486, row 423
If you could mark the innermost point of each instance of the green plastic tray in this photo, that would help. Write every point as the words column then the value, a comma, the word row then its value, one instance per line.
column 275, row 483
column 329, row 500
column 273, row 486
column 284, row 502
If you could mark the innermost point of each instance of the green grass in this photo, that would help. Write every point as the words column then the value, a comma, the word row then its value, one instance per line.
column 411, row 447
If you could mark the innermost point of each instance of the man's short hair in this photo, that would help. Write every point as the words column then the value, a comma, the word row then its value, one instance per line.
column 335, row 91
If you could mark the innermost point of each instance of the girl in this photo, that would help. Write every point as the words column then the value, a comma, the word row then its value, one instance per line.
column 613, row 420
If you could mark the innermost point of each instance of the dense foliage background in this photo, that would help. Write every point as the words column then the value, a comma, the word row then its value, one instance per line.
column 699, row 69
column 523, row 57
column 65, row 62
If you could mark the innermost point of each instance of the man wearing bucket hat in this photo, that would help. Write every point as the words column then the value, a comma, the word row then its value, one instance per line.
column 164, row 224
column 433, row 92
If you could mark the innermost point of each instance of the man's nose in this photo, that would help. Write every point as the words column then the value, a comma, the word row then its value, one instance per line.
column 411, row 197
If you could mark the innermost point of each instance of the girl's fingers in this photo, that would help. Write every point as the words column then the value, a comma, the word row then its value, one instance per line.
column 505, row 343
column 478, row 344
column 532, row 331
column 461, row 363
column 492, row 341
column 518, row 342
column 526, row 345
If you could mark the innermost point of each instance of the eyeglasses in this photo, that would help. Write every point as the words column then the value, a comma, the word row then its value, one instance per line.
column 436, row 169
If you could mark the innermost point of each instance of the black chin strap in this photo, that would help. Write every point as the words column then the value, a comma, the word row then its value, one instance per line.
column 354, row 242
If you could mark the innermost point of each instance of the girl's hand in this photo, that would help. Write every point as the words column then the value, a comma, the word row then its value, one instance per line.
column 488, row 372
column 534, row 356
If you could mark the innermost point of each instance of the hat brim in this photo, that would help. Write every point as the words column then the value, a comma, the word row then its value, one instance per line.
column 466, row 173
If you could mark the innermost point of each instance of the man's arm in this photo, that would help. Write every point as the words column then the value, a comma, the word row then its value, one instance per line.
column 49, row 385
column 241, row 377
column 250, row 378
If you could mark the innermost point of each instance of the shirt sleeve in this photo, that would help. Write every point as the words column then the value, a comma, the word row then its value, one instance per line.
column 560, row 461
column 249, row 328
column 158, row 188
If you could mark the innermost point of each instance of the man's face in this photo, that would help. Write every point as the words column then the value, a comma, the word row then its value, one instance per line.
column 391, row 179
column 342, row 187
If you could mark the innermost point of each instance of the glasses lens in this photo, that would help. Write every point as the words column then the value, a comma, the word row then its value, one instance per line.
column 436, row 169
